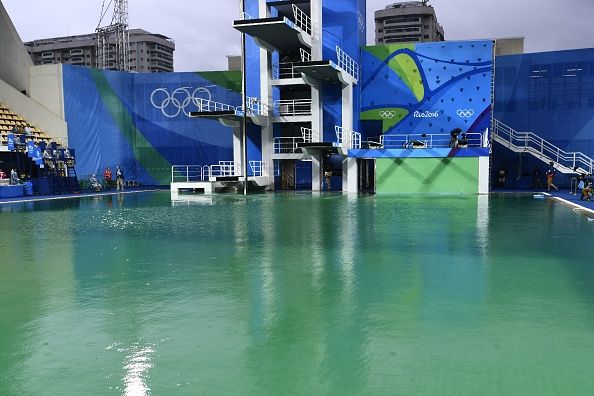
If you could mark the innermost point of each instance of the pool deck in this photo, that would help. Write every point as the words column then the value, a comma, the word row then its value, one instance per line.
column 86, row 194
column 563, row 196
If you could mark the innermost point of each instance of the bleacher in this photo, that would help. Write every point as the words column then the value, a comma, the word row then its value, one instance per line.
column 44, row 166
column 8, row 119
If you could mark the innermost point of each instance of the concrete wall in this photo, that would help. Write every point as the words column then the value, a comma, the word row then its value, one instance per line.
column 14, row 59
column 509, row 46
column 46, row 87
column 35, row 113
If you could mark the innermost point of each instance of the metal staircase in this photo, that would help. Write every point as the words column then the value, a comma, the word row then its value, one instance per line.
column 528, row 142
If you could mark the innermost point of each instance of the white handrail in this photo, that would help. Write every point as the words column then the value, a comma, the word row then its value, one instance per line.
column 205, row 105
column 348, row 64
column 258, row 168
column 257, row 107
column 435, row 140
column 189, row 173
column 285, row 70
column 309, row 135
column 302, row 20
column 244, row 15
column 305, row 56
column 286, row 145
column 347, row 139
column 293, row 107
column 532, row 142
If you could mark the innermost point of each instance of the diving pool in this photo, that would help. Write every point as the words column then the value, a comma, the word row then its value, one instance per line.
column 296, row 294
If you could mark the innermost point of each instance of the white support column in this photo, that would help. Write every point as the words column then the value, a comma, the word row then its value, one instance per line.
column 316, row 172
column 316, row 29
column 349, row 165
column 237, row 149
column 317, row 117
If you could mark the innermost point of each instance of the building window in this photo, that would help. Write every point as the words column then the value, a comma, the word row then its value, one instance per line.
column 426, row 36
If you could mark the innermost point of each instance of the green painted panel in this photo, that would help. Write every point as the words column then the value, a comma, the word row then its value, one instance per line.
column 146, row 155
column 427, row 175
column 406, row 68
column 226, row 79
column 389, row 116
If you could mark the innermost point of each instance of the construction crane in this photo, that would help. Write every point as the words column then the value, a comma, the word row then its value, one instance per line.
column 113, row 40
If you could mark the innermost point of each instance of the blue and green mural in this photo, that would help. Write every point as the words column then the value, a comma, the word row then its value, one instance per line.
column 428, row 88
column 141, row 121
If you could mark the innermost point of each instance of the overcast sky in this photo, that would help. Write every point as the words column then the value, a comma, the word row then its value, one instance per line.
column 202, row 29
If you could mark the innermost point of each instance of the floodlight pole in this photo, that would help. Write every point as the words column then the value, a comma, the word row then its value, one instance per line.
column 244, row 105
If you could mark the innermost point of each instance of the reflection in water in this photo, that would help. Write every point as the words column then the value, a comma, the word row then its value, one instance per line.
column 136, row 371
column 482, row 224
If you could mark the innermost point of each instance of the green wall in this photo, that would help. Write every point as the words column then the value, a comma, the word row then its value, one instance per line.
column 427, row 175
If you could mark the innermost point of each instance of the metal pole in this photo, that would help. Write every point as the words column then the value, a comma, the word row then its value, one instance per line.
column 244, row 104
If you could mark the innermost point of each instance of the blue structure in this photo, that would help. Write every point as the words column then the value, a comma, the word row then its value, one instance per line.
column 550, row 95
column 141, row 121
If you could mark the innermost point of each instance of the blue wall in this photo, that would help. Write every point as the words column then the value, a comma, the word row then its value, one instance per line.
column 343, row 25
column 427, row 87
column 128, row 119
column 550, row 94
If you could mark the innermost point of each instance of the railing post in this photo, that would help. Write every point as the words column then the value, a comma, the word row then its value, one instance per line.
column 187, row 173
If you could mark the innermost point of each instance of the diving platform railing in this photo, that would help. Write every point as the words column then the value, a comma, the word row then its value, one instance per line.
column 529, row 142
column 291, row 145
column 286, row 145
column 206, row 106
column 347, row 139
column 309, row 135
column 293, row 107
column 206, row 173
column 439, row 140
column 347, row 64
column 302, row 20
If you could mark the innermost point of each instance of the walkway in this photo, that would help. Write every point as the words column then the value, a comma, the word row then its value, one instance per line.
column 130, row 190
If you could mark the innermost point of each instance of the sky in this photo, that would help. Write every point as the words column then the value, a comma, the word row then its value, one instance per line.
column 204, row 36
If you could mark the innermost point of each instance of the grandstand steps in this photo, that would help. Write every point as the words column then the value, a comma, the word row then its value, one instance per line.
column 10, row 119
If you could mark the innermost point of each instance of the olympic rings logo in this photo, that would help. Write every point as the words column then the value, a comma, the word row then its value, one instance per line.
column 181, row 100
column 387, row 114
column 465, row 113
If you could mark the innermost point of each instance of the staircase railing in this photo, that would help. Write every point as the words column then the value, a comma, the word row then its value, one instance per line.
column 531, row 142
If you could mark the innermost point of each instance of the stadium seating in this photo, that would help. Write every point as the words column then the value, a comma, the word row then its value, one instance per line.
column 9, row 119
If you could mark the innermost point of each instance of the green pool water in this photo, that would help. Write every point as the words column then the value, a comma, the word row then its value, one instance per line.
column 296, row 294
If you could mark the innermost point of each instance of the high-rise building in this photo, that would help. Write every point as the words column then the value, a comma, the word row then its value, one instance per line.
column 148, row 52
column 412, row 21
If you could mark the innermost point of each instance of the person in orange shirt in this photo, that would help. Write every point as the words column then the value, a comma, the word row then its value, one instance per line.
column 107, row 177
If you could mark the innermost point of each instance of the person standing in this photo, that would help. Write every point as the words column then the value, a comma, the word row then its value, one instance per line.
column 119, row 179
column 107, row 177
column 536, row 178
column 550, row 174
column 328, row 177
column 14, row 178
